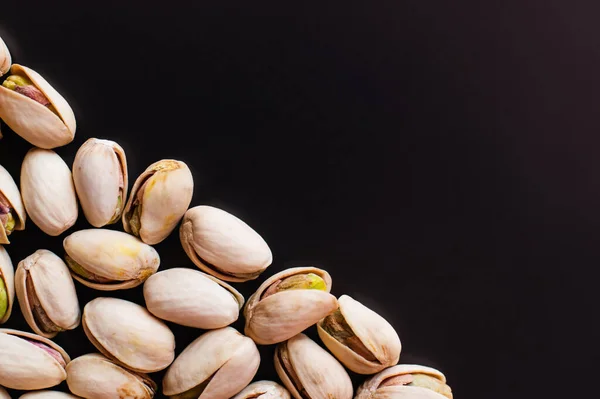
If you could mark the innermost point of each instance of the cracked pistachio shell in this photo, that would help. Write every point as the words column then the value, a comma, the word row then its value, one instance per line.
column 3, row 393
column 263, row 390
column 5, row 58
column 7, row 285
column 284, row 314
column 109, row 260
column 47, row 395
column 303, row 366
column 378, row 386
column 192, row 298
column 162, row 193
column 223, row 245
column 33, row 121
column 46, row 294
column 128, row 334
column 11, row 197
column 30, row 361
column 218, row 364
column 94, row 376
column 48, row 191
column 100, row 177
column 365, row 342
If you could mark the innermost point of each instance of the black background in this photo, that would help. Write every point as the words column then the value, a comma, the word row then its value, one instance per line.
column 439, row 159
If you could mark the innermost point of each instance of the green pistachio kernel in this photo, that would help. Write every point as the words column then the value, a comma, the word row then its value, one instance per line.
column 10, row 224
column 3, row 298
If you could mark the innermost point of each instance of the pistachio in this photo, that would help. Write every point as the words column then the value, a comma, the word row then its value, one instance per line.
column 263, row 390
column 109, row 260
column 7, row 285
column 192, row 298
column 47, row 294
column 12, row 211
column 128, row 334
column 360, row 338
column 222, row 245
column 310, row 372
column 30, row 361
column 45, row 394
column 287, row 303
column 34, row 110
column 159, row 198
column 94, row 376
column 3, row 393
column 5, row 58
column 218, row 364
column 405, row 381
column 100, row 177
column 48, row 191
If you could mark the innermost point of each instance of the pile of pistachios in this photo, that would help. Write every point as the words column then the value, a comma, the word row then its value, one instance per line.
column 133, row 340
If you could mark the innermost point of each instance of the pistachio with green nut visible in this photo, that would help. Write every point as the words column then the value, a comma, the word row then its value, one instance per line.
column 7, row 285
column 360, row 338
column 405, row 381
column 287, row 303
column 33, row 109
column 100, row 177
column 109, row 260
column 159, row 198
column 46, row 294
column 12, row 210
column 94, row 376
column 30, row 361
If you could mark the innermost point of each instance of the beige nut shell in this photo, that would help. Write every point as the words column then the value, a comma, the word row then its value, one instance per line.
column 45, row 394
column 5, row 58
column 31, row 120
column 263, row 390
column 7, row 274
column 11, row 192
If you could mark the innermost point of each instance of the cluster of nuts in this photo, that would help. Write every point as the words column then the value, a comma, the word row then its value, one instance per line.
column 132, row 340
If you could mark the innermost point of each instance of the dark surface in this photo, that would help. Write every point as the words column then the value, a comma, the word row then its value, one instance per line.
column 439, row 159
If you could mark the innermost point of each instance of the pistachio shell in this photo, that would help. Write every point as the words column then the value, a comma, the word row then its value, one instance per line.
column 263, row 390
column 3, row 393
column 164, row 192
column 48, row 191
column 10, row 193
column 47, row 395
column 223, row 359
column 7, row 285
column 33, row 121
column 5, row 58
column 27, row 366
column 303, row 366
column 222, row 245
column 100, row 177
column 128, row 334
column 192, row 298
column 373, row 388
column 46, row 293
column 284, row 314
column 119, row 260
column 94, row 376
column 368, row 343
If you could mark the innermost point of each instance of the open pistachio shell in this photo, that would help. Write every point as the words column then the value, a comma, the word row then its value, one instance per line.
column 128, row 334
column 222, row 245
column 360, row 338
column 263, row 390
column 48, row 191
column 287, row 303
column 46, row 293
column 100, row 177
column 405, row 381
column 218, row 364
column 94, row 376
column 47, row 395
column 159, row 198
column 7, row 285
column 309, row 371
column 192, row 298
column 12, row 211
column 5, row 58
column 30, row 361
column 45, row 126
column 109, row 260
